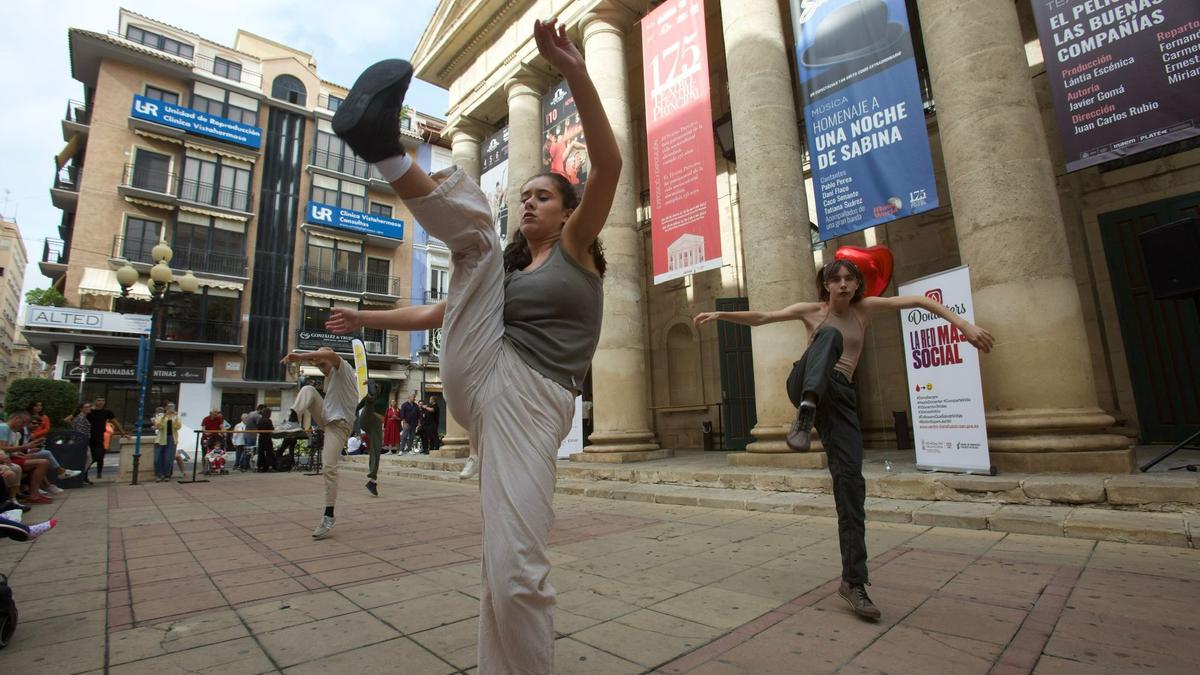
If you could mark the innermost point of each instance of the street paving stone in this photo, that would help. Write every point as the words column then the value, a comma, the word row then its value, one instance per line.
column 224, row 577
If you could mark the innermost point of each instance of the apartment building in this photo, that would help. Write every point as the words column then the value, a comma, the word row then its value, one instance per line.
column 227, row 153
column 13, row 259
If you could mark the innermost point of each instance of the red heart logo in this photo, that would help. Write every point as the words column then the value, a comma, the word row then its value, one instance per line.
column 875, row 263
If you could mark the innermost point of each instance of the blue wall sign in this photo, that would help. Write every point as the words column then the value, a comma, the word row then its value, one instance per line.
column 863, row 114
column 354, row 221
column 196, row 122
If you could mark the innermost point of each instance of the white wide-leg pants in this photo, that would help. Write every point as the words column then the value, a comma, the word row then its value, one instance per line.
column 308, row 400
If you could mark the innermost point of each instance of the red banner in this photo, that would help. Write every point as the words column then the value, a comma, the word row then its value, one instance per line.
column 686, row 230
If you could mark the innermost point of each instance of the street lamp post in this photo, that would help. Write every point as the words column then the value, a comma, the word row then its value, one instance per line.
column 160, row 283
column 86, row 358
column 422, row 361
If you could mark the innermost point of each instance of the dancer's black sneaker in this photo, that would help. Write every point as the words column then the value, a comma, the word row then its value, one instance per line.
column 855, row 595
column 369, row 119
column 799, row 437
column 372, row 488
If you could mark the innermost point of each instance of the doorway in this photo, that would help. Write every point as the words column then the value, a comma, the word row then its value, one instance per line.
column 738, row 415
column 1160, row 335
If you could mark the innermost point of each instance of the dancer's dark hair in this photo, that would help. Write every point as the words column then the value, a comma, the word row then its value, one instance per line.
column 518, row 256
column 830, row 270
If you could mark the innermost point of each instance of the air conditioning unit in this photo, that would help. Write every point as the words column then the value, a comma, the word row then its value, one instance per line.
column 374, row 347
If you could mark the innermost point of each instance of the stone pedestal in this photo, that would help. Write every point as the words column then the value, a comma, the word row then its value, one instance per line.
column 124, row 449
column 772, row 203
column 623, row 424
column 1040, row 397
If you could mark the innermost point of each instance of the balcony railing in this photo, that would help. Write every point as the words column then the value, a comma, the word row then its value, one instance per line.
column 347, row 163
column 199, row 259
column 381, row 284
column 67, row 178
column 379, row 342
column 249, row 77
column 142, row 177
column 434, row 297
column 78, row 113
column 190, row 330
column 208, row 193
column 341, row 280
column 54, row 252
column 195, row 258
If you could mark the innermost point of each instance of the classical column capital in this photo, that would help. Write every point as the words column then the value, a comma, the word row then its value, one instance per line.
column 525, row 80
column 467, row 128
column 607, row 17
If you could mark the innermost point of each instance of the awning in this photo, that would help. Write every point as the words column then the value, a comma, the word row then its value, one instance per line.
column 67, row 153
column 150, row 204
column 349, row 296
column 104, row 283
column 313, row 371
column 324, row 234
column 215, row 214
column 219, row 151
column 219, row 283
column 157, row 137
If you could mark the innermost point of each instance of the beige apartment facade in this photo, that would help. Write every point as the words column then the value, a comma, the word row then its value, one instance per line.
column 13, row 259
column 1074, row 381
column 227, row 154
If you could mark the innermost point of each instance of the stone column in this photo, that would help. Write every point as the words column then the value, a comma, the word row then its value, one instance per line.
column 1042, row 410
column 622, row 421
column 773, row 214
column 465, row 140
column 524, row 136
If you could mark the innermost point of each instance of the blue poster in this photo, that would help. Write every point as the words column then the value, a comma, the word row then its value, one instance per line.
column 863, row 117
column 194, row 121
column 354, row 221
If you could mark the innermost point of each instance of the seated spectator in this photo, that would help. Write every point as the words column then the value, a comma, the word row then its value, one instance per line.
column 11, row 475
column 33, row 468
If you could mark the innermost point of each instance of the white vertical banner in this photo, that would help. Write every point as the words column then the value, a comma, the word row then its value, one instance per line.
column 945, row 391
column 574, row 440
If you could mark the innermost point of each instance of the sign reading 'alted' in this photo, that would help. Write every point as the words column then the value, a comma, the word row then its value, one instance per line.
column 70, row 318
column 1125, row 75
column 204, row 124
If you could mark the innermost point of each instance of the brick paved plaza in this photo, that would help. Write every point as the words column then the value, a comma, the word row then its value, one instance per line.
column 223, row 577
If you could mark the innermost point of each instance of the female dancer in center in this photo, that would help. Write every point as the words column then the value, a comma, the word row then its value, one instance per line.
column 521, row 327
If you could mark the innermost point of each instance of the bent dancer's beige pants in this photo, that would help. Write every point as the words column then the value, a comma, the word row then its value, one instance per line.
column 515, row 416
column 309, row 400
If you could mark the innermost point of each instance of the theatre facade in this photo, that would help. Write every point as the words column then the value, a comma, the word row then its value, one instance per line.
column 1086, row 365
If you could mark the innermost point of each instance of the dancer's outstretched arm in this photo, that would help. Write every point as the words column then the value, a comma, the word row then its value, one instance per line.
column 978, row 337
column 584, row 223
column 416, row 317
column 328, row 356
column 790, row 313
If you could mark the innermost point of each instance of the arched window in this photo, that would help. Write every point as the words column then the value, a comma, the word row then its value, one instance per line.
column 290, row 89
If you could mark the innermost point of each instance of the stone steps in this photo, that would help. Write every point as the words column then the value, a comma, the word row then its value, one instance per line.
column 1085, row 521
column 1167, row 492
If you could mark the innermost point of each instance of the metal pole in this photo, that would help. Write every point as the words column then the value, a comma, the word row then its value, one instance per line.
column 82, row 378
column 157, row 299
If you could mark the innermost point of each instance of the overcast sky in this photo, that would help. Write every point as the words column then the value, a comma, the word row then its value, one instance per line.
column 344, row 37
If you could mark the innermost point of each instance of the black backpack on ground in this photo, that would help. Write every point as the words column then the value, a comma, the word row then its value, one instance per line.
column 8, row 612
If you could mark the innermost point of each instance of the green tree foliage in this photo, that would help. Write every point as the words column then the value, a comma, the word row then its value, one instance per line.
column 45, row 297
column 58, row 397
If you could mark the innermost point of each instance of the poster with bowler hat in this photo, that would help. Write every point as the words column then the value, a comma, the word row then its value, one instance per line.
column 863, row 115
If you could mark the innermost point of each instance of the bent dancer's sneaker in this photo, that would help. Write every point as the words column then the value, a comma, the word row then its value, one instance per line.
column 799, row 437
column 855, row 595
column 288, row 430
column 323, row 529
column 470, row 469
column 69, row 473
column 369, row 119
column 372, row 488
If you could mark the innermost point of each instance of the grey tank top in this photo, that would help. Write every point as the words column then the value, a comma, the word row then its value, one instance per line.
column 552, row 317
